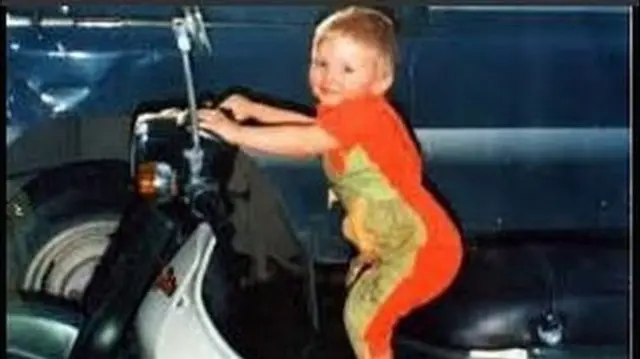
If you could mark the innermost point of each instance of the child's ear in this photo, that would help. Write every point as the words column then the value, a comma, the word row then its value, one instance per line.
column 384, row 83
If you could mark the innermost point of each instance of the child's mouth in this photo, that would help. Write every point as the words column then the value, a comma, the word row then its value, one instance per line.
column 327, row 91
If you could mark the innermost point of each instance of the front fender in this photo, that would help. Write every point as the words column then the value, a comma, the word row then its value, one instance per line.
column 145, row 241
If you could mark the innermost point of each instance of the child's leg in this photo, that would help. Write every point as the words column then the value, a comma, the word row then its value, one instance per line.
column 363, row 301
column 385, row 294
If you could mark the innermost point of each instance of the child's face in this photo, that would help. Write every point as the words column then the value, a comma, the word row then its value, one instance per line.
column 342, row 68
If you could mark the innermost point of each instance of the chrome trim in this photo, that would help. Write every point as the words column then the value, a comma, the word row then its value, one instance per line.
column 498, row 144
column 14, row 21
column 19, row 21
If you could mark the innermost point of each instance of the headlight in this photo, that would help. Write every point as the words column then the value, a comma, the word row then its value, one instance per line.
column 156, row 181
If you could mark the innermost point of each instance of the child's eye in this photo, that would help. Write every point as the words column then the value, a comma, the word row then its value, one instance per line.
column 348, row 69
column 319, row 63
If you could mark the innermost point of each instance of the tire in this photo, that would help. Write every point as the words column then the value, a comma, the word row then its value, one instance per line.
column 58, row 228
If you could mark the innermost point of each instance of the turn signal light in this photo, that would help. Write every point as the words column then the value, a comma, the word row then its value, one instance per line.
column 156, row 181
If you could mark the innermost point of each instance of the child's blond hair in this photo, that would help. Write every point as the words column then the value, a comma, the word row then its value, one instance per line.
column 365, row 25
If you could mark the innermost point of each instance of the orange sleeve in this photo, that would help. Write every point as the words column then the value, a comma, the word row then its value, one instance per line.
column 347, row 124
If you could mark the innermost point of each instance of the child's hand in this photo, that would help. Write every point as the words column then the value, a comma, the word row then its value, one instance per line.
column 240, row 106
column 216, row 121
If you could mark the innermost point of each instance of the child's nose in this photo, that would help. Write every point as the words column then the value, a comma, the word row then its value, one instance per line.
column 332, row 77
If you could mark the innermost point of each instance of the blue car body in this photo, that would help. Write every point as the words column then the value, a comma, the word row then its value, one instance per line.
column 522, row 112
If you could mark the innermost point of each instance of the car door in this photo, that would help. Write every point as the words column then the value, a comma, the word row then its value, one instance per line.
column 523, row 113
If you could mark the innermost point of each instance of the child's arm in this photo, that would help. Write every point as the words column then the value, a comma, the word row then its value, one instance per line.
column 272, row 115
column 287, row 140
column 244, row 108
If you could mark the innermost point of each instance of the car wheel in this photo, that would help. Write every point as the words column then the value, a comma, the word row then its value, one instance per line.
column 55, row 239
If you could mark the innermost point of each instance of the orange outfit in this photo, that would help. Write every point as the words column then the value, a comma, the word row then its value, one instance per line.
column 391, row 218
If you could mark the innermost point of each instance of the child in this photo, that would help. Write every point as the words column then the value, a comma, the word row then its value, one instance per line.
column 409, row 249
